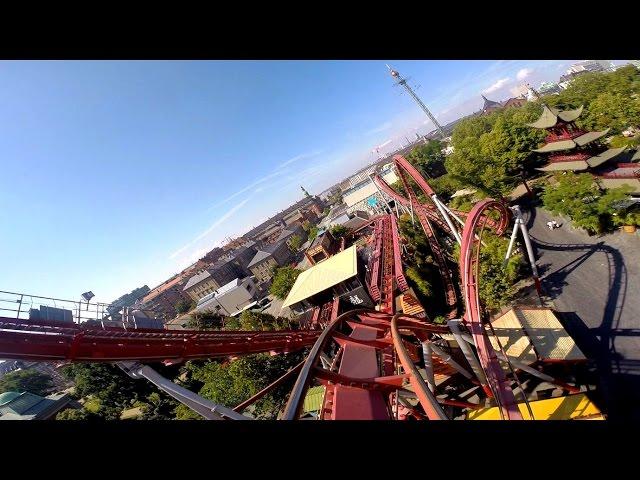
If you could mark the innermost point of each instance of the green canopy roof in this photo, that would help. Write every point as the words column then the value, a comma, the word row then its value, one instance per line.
column 590, row 137
column 550, row 115
column 576, row 166
column 556, row 146
column 604, row 156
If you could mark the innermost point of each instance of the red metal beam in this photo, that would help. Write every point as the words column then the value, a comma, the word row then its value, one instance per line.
column 23, row 340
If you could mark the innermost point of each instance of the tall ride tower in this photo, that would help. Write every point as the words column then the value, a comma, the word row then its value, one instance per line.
column 403, row 82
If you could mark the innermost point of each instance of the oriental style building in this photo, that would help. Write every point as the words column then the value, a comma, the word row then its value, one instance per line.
column 572, row 148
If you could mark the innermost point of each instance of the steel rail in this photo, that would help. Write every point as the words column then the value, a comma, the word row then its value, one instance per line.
column 426, row 398
column 488, row 359
column 296, row 398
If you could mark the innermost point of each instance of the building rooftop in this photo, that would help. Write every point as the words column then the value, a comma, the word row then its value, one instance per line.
column 27, row 406
column 264, row 253
column 196, row 279
column 490, row 103
column 321, row 276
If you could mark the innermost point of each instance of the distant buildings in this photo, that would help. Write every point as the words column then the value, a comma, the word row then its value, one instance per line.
column 230, row 299
column 307, row 209
column 491, row 106
column 128, row 299
column 365, row 196
column 231, row 266
column 549, row 88
column 163, row 299
column 289, row 233
column 267, row 258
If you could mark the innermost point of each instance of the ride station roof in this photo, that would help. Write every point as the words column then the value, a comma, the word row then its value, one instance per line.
column 324, row 275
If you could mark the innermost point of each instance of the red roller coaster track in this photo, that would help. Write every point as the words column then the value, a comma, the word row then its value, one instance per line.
column 365, row 359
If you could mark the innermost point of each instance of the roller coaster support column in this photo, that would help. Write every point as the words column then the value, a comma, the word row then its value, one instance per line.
column 443, row 211
column 451, row 213
column 454, row 326
column 206, row 408
column 520, row 224
column 530, row 370
column 428, row 365
column 445, row 357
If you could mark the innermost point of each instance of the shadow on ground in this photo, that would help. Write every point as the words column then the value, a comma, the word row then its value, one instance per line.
column 619, row 376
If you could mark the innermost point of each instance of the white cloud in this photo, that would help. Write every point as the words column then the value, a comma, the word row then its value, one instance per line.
column 497, row 85
column 298, row 157
column 278, row 172
column 380, row 128
column 211, row 228
column 523, row 73
column 382, row 145
column 518, row 90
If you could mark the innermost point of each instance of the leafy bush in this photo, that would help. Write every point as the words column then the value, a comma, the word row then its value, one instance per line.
column 283, row 281
column 580, row 198
column 29, row 380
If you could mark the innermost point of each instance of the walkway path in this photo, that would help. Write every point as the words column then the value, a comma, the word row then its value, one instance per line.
column 595, row 283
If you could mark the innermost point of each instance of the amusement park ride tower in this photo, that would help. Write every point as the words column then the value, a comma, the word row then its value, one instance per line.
column 403, row 81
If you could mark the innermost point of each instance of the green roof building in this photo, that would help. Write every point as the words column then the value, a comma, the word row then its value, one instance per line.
column 27, row 406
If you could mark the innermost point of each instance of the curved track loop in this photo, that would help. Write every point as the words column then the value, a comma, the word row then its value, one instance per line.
column 469, row 255
column 425, row 216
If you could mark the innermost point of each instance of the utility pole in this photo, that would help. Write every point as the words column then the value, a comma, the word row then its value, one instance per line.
column 403, row 81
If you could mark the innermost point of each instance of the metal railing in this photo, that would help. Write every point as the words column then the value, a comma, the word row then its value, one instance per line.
column 22, row 306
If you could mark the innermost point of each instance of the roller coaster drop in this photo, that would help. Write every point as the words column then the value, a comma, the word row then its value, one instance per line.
column 367, row 360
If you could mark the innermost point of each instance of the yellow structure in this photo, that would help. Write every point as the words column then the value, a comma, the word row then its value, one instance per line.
column 571, row 407
column 324, row 275
column 529, row 334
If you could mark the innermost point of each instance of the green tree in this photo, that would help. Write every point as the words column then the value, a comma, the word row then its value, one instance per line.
column 29, row 380
column 313, row 233
column 184, row 306
column 230, row 383
column 491, row 150
column 580, row 198
column 496, row 283
column 75, row 414
column 206, row 320
column 339, row 231
column 428, row 158
column 251, row 320
column 283, row 281
column 295, row 243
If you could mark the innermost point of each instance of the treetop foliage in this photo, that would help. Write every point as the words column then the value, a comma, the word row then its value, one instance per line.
column 283, row 281
column 29, row 380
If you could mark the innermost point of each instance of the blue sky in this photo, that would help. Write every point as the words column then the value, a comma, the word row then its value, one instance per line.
column 119, row 174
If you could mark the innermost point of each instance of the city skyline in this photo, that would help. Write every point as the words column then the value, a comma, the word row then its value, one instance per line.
column 120, row 174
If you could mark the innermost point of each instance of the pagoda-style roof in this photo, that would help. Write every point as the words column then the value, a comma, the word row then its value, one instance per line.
column 604, row 156
column 580, row 141
column 550, row 116
column 490, row 103
column 581, row 165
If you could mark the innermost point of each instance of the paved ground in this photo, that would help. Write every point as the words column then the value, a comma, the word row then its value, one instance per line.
column 595, row 283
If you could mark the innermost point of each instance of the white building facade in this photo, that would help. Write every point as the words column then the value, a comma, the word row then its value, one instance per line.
column 365, row 196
